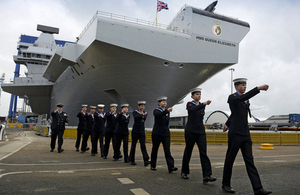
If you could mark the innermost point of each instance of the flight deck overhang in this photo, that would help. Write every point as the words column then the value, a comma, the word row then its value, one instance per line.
column 28, row 89
column 60, row 61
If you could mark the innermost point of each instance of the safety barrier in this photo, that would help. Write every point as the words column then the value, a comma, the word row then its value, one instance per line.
column 177, row 135
column 24, row 126
column 218, row 136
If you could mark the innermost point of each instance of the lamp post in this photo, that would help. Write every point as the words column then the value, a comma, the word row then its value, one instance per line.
column 231, row 69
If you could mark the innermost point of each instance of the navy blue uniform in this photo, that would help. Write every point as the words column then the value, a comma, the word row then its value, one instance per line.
column 98, row 132
column 121, row 134
column 89, row 125
column 111, row 123
column 138, row 133
column 80, row 128
column 161, row 134
column 195, row 133
column 239, row 138
column 58, row 128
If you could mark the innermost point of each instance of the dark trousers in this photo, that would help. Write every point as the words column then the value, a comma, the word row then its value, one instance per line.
column 86, row 134
column 79, row 134
column 95, row 136
column 200, row 140
column 134, row 138
column 56, row 133
column 236, row 142
column 118, row 140
column 108, row 136
column 165, row 140
column 101, row 144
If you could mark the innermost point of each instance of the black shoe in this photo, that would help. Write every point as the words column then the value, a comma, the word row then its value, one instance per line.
column 120, row 156
column 153, row 169
column 126, row 161
column 87, row 148
column 146, row 163
column 209, row 179
column 51, row 150
column 115, row 159
column 133, row 163
column 60, row 150
column 173, row 169
column 184, row 176
column 104, row 157
column 262, row 191
column 82, row 151
column 228, row 189
column 77, row 150
column 93, row 154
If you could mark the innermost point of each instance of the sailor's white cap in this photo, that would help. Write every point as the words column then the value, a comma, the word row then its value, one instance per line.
column 84, row 105
column 141, row 102
column 113, row 105
column 238, row 81
column 195, row 90
column 124, row 105
column 60, row 105
column 162, row 98
column 101, row 105
column 92, row 107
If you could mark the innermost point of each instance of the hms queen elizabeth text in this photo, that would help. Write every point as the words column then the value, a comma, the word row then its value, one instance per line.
column 215, row 41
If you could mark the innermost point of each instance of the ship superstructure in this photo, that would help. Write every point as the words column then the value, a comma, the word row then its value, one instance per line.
column 124, row 60
column 34, row 53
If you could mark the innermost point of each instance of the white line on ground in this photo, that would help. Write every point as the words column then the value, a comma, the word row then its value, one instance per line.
column 125, row 181
column 116, row 173
column 139, row 191
column 16, row 149
column 69, row 171
column 66, row 171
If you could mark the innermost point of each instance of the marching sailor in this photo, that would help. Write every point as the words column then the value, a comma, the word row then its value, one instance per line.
column 195, row 133
column 138, row 133
column 239, row 136
column 121, row 133
column 82, row 120
column 111, row 122
column 161, row 134
column 90, row 120
column 59, row 119
column 98, row 130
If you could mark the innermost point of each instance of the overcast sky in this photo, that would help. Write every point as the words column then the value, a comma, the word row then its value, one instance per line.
column 269, row 54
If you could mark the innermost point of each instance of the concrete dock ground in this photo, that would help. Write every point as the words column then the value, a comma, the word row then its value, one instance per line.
column 28, row 167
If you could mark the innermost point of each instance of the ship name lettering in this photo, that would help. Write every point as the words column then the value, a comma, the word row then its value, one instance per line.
column 215, row 41
column 201, row 38
column 211, row 40
column 226, row 43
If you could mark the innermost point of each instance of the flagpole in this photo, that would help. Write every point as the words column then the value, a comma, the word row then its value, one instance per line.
column 156, row 13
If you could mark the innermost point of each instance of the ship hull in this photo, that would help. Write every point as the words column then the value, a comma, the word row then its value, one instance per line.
column 124, row 60
column 105, row 74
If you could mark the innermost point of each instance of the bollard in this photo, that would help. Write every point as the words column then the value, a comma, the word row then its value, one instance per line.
column 2, row 127
column 267, row 146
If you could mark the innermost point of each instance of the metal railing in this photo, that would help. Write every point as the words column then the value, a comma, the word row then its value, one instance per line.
column 130, row 20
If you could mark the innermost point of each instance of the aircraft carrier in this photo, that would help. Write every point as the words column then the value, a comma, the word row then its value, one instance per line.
column 123, row 60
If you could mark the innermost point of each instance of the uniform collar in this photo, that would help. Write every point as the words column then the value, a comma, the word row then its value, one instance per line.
column 126, row 115
column 114, row 114
column 194, row 102
column 160, row 109
column 137, row 110
column 102, row 114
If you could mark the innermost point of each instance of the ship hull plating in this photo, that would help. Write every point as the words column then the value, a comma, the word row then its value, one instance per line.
column 125, row 76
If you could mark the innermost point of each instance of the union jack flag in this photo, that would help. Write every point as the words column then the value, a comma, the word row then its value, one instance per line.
column 161, row 5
